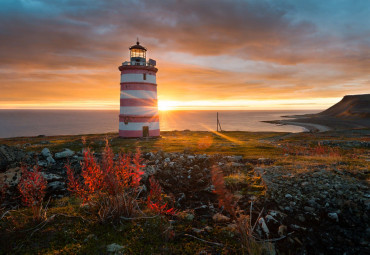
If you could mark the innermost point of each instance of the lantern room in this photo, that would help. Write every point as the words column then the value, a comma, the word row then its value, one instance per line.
column 138, row 55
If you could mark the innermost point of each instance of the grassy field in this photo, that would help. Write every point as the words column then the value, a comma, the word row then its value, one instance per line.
column 71, row 229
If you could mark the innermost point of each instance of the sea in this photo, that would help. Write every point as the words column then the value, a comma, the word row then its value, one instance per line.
column 17, row 123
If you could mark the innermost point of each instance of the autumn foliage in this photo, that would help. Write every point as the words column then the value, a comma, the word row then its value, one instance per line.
column 225, row 198
column 32, row 188
column 111, row 185
column 155, row 199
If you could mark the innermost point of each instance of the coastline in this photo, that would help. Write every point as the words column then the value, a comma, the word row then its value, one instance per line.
column 310, row 127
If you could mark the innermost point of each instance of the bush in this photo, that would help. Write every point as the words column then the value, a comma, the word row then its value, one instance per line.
column 32, row 187
column 112, row 187
column 155, row 200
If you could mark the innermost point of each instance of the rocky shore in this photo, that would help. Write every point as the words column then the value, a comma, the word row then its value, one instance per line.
column 319, row 209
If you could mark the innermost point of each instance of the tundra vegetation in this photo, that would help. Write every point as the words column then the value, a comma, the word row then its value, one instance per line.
column 186, row 193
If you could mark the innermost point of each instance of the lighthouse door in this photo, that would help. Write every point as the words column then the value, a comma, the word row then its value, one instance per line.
column 145, row 131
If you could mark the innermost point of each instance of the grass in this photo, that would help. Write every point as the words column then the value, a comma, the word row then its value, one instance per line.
column 68, row 231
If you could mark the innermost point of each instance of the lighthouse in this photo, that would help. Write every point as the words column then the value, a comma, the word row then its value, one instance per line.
column 138, row 101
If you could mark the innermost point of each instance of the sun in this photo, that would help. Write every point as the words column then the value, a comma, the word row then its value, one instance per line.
column 165, row 105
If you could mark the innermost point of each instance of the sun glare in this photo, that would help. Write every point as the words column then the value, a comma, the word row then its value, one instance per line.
column 165, row 105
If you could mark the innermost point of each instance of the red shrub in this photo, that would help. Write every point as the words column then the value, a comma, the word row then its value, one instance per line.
column 112, row 185
column 32, row 186
column 73, row 183
column 155, row 201
column 225, row 198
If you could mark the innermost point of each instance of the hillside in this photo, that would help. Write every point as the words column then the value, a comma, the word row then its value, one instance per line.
column 351, row 106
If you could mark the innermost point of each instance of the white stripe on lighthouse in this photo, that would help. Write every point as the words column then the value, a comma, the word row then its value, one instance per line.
column 138, row 110
column 138, row 94
column 133, row 77
column 138, row 125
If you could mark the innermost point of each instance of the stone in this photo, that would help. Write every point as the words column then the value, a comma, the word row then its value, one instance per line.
column 12, row 176
column 51, row 177
column 333, row 216
column 90, row 237
column 64, row 154
column 43, row 163
column 309, row 209
column 236, row 158
column 264, row 227
column 197, row 230
column 115, row 248
column 56, row 186
column 46, row 153
column 50, row 160
column 269, row 218
column 219, row 218
column 10, row 155
column 282, row 230
column 208, row 228
column 288, row 196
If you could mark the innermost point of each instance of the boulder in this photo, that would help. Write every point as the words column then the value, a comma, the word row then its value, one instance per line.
column 64, row 154
column 219, row 218
column 115, row 248
column 11, row 177
column 10, row 155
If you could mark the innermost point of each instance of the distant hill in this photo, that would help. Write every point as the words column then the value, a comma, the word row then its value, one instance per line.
column 351, row 106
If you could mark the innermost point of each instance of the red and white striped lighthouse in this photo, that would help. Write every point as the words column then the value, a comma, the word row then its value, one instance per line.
column 139, row 107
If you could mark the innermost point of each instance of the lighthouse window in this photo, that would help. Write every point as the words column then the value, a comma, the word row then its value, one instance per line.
column 144, row 76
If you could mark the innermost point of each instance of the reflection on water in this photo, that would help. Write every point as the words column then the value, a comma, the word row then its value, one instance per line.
column 71, row 122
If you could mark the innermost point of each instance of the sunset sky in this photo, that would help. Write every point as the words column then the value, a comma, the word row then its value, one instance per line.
column 210, row 54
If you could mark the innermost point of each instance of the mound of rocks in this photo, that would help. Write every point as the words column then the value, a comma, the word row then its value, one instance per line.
column 328, row 212
column 10, row 157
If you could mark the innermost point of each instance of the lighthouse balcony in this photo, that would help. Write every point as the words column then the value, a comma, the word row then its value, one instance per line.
column 151, row 62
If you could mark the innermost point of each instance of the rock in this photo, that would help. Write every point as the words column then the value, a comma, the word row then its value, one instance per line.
column 90, row 237
column 51, row 177
column 269, row 218
column 10, row 155
column 50, row 160
column 235, row 164
column 219, row 218
column 46, row 153
column 56, row 186
column 115, row 248
column 43, row 163
column 236, row 158
column 309, row 209
column 208, row 228
column 197, row 230
column 301, row 218
column 333, row 216
column 282, row 230
column 264, row 227
column 288, row 196
column 11, row 177
column 64, row 154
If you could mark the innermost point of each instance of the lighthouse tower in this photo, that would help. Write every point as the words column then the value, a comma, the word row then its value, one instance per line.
column 138, row 108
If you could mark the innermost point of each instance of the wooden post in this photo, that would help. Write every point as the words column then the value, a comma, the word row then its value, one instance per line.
column 218, row 124
column 217, row 121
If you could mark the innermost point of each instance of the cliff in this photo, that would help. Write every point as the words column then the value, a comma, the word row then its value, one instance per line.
column 351, row 106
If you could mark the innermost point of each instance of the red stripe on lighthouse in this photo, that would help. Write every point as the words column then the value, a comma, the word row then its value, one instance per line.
column 139, row 102
column 138, row 86
column 129, row 118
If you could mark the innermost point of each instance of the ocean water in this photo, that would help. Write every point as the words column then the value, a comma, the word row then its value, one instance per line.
column 14, row 123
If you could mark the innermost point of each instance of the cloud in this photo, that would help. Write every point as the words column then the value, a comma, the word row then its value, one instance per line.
column 57, row 50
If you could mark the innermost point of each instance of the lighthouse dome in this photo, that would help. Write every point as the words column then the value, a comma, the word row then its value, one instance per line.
column 137, row 46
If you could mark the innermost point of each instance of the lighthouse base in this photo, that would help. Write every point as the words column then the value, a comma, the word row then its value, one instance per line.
column 138, row 133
